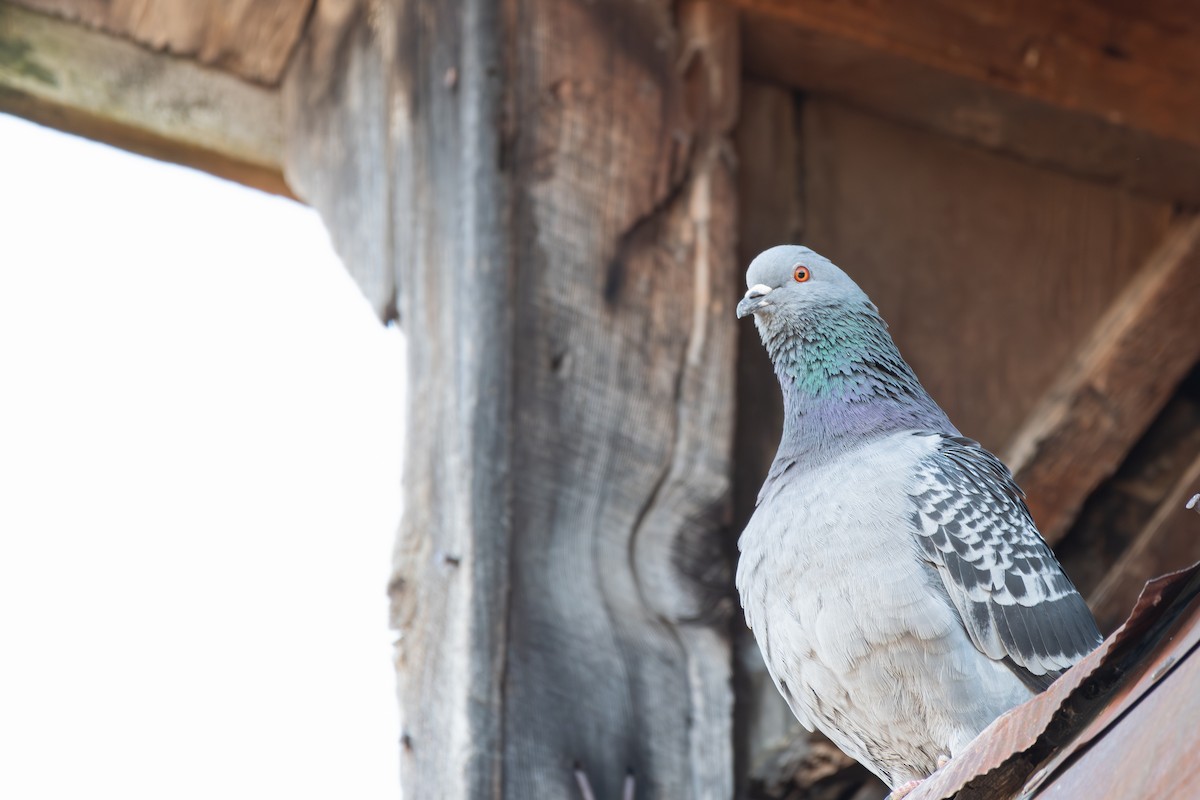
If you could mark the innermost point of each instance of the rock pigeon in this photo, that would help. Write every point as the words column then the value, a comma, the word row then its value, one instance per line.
column 893, row 577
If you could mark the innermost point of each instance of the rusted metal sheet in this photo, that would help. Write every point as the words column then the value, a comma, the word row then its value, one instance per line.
column 1150, row 753
column 1176, row 649
column 1002, row 759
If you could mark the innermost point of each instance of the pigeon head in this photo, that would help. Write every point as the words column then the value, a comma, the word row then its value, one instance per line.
column 842, row 377
column 789, row 282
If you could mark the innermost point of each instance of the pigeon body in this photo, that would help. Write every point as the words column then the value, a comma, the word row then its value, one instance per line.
column 896, row 584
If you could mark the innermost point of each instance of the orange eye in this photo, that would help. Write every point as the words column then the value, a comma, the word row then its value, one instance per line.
column 801, row 274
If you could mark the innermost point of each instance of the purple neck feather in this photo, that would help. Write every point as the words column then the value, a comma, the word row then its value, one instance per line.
column 844, row 383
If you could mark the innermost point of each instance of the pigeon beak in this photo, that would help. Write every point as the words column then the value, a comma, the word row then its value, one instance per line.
column 753, row 301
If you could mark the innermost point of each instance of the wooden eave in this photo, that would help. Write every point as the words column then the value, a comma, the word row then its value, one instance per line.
column 107, row 88
column 1106, row 91
column 1111, row 93
column 252, row 40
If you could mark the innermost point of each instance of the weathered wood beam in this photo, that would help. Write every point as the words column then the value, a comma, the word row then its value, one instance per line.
column 1169, row 542
column 560, row 237
column 1121, row 507
column 250, row 38
column 338, row 151
column 1103, row 91
column 1125, row 372
column 68, row 77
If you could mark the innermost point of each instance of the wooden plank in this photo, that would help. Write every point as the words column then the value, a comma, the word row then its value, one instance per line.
column 1122, row 375
column 1108, row 61
column 335, row 106
column 1169, row 542
column 67, row 77
column 250, row 38
column 563, row 213
column 990, row 273
column 1119, row 510
column 1107, row 91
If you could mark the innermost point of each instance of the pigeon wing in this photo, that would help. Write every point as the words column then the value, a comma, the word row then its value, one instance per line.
column 973, row 527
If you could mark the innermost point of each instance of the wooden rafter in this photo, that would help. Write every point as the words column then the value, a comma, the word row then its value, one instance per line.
column 68, row 77
column 1136, row 355
column 249, row 38
column 1170, row 541
column 1107, row 91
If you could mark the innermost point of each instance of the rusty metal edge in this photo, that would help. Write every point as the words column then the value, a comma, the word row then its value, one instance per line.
column 1174, row 648
column 1014, row 745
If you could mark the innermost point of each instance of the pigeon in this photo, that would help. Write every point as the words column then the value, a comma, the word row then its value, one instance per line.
column 894, row 580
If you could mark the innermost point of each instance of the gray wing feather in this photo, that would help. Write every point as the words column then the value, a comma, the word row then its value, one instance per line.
column 973, row 527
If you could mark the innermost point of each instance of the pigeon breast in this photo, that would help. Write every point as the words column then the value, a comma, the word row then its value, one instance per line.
column 854, row 624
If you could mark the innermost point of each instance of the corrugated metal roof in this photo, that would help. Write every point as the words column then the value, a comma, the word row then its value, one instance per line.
column 1121, row 723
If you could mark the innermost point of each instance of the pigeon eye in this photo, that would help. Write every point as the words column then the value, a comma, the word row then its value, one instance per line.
column 801, row 273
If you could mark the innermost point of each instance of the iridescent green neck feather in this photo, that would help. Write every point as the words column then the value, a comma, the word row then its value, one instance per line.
column 844, row 381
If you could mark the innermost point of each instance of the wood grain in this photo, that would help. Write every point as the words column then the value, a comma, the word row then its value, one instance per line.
column 1110, row 390
column 1169, row 542
column 1110, row 61
column 1095, row 90
column 562, row 223
column 250, row 38
column 335, row 103
column 1121, row 507
column 991, row 273
column 625, row 226
column 90, row 84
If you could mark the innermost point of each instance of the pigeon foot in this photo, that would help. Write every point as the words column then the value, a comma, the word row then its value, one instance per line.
column 902, row 791
column 628, row 789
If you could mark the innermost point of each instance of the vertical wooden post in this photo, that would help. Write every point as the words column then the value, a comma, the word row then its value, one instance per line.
column 560, row 215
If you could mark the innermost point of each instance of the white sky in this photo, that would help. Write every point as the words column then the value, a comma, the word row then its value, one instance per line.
column 200, row 427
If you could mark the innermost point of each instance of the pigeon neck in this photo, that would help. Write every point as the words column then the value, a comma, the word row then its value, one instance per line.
column 844, row 382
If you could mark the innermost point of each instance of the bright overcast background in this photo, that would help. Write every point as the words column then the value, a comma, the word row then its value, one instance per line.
column 200, row 426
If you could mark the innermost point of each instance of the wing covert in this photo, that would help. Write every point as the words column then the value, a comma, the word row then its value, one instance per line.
column 1015, row 601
